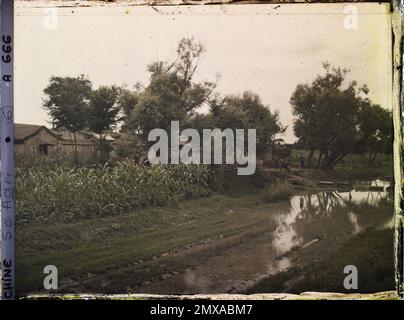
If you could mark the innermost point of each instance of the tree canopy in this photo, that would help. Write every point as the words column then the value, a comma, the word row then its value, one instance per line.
column 331, row 117
column 171, row 94
column 376, row 125
column 102, row 114
column 247, row 111
column 74, row 106
column 66, row 101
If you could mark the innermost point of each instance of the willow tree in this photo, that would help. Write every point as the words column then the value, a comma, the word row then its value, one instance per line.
column 376, row 124
column 327, row 116
column 172, row 94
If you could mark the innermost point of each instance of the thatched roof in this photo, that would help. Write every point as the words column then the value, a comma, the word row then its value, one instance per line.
column 23, row 131
column 82, row 138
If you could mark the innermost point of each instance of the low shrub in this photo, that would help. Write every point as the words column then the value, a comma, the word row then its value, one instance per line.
column 277, row 191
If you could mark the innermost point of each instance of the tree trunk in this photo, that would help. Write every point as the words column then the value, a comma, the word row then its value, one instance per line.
column 73, row 142
column 310, row 158
column 372, row 157
column 76, row 155
column 101, row 150
column 325, row 160
column 332, row 161
column 319, row 159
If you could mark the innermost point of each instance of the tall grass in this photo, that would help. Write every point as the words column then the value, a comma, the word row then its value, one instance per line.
column 277, row 191
column 53, row 190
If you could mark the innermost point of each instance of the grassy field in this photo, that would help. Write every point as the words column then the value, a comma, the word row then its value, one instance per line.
column 355, row 166
column 92, row 251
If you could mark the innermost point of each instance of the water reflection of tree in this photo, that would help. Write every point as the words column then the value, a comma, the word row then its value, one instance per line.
column 315, row 215
column 375, row 197
column 321, row 204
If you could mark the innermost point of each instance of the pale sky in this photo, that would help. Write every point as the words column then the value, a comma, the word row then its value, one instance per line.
column 267, row 49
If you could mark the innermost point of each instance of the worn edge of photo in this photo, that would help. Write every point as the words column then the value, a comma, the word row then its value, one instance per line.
column 103, row 3
column 397, row 9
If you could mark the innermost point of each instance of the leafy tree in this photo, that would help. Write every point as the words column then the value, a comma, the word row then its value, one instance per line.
column 66, row 102
column 247, row 112
column 376, row 125
column 327, row 116
column 127, row 100
column 171, row 94
column 336, row 120
column 202, row 121
column 103, row 114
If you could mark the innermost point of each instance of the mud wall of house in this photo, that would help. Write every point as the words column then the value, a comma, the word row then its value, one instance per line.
column 86, row 152
column 31, row 146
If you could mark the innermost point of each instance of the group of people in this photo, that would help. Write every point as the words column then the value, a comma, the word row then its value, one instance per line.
column 283, row 164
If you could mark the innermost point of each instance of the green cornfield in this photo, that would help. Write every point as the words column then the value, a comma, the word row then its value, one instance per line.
column 46, row 191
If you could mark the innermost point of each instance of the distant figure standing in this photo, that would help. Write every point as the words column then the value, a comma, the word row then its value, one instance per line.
column 301, row 160
column 301, row 203
column 276, row 163
column 284, row 165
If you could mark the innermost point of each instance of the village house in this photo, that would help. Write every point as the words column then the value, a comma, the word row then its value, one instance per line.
column 86, row 146
column 37, row 140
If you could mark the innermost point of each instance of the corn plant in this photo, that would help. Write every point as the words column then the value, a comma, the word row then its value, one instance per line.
column 51, row 190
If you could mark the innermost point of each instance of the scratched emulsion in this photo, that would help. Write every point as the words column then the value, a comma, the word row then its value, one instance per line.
column 378, row 79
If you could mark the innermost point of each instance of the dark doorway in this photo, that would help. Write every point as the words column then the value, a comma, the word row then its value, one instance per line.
column 43, row 149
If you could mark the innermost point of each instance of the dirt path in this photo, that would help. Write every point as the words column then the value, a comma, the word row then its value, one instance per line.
column 214, row 265
column 220, row 254
column 118, row 254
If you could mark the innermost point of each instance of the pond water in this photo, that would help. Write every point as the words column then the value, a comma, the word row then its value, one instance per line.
column 313, row 216
column 289, row 241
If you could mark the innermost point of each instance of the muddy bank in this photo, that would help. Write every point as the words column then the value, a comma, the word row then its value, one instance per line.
column 307, row 250
column 323, row 272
